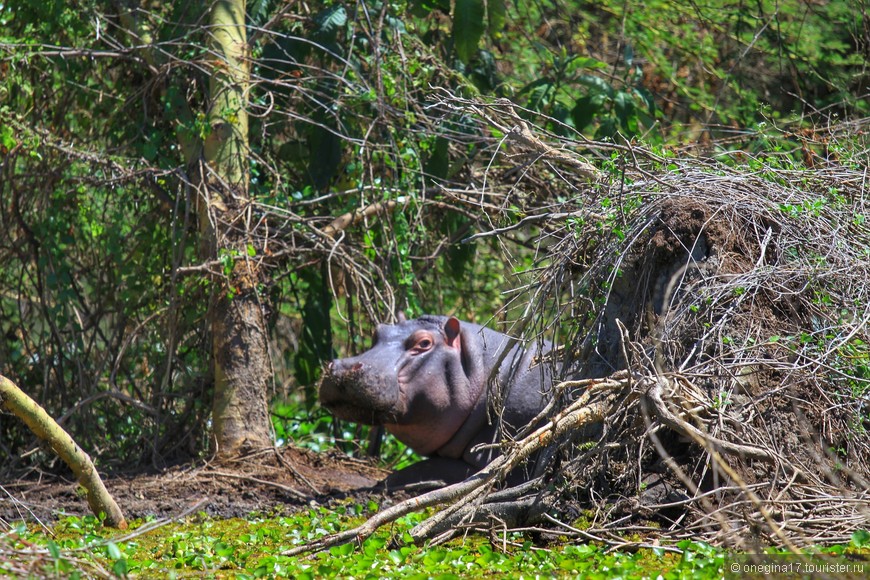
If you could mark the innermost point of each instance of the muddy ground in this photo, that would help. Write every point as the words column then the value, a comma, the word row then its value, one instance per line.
column 272, row 482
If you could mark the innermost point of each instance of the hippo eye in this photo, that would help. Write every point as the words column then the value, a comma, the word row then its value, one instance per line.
column 421, row 344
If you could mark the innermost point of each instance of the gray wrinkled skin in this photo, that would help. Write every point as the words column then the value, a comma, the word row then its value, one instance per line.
column 425, row 381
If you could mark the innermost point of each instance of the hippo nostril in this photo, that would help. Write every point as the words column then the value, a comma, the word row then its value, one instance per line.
column 357, row 367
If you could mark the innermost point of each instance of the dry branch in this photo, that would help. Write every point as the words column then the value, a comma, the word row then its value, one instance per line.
column 521, row 134
column 285, row 488
column 581, row 413
column 43, row 426
column 664, row 414
column 354, row 217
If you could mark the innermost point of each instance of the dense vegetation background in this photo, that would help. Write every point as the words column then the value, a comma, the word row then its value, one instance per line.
column 177, row 178
column 105, row 295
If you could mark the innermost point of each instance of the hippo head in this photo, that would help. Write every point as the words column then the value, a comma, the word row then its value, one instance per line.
column 420, row 379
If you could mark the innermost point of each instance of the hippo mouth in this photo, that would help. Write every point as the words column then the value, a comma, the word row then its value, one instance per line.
column 359, row 397
column 349, row 412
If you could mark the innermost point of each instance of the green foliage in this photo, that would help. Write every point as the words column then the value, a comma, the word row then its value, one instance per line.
column 468, row 26
column 96, row 271
column 316, row 344
column 251, row 548
column 573, row 97
column 91, row 248
column 470, row 21
column 688, row 72
column 98, row 210
column 297, row 424
column 745, row 55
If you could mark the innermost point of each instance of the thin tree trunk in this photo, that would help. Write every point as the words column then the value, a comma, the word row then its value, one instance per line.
column 240, row 351
column 242, row 368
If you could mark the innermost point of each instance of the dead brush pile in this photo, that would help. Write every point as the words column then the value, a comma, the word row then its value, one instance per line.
column 737, row 300
column 725, row 307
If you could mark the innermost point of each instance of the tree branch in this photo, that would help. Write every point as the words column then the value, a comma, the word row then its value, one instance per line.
column 577, row 415
column 43, row 426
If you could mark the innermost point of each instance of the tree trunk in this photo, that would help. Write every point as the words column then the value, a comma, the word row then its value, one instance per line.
column 242, row 369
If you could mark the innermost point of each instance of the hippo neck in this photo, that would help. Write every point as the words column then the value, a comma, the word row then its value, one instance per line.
column 491, row 344
column 474, row 422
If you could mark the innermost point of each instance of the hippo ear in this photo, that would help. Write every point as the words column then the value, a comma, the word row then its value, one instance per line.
column 452, row 330
column 400, row 316
column 470, row 352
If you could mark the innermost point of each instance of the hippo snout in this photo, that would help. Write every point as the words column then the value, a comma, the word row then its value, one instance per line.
column 343, row 367
column 357, row 391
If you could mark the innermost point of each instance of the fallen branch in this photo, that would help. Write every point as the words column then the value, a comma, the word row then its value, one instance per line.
column 577, row 415
column 43, row 426
column 285, row 488
column 508, row 514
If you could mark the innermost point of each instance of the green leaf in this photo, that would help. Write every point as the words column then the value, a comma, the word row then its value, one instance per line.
column 647, row 98
column 330, row 22
column 342, row 550
column 223, row 549
column 861, row 539
column 495, row 12
column 579, row 63
column 468, row 27
column 149, row 151
column 596, row 85
column 585, row 110
column 114, row 551
column 7, row 140
column 258, row 11
column 626, row 112
column 539, row 96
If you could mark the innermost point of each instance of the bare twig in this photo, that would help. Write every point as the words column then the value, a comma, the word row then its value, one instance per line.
column 581, row 413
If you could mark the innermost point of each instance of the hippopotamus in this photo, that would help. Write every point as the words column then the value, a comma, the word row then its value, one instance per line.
column 425, row 381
